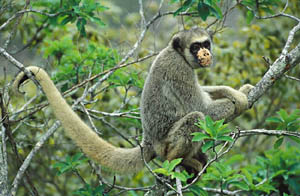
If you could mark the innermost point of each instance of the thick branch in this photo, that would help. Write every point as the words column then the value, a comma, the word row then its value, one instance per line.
column 269, row 132
column 276, row 71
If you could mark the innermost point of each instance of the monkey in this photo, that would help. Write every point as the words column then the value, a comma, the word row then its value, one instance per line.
column 172, row 101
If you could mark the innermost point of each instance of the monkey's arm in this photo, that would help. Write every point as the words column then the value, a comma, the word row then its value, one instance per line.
column 217, row 92
column 238, row 98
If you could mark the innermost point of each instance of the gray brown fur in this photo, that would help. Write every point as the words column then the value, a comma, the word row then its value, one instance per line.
column 172, row 101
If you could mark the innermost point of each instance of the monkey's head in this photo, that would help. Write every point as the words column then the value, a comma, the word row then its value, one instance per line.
column 194, row 46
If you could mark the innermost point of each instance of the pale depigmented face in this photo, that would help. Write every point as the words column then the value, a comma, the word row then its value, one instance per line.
column 198, row 53
column 194, row 45
column 204, row 57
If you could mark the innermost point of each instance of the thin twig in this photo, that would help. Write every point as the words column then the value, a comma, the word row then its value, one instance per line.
column 178, row 183
column 20, row 13
column 292, row 78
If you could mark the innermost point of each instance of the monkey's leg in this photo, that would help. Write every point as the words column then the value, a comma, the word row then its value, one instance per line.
column 179, row 142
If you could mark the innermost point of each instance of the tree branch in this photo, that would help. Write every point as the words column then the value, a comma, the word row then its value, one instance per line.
column 276, row 71
column 269, row 132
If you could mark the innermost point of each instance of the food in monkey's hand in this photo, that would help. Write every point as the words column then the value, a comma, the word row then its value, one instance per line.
column 204, row 57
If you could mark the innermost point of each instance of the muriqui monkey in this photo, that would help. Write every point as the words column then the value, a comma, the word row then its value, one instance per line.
column 172, row 101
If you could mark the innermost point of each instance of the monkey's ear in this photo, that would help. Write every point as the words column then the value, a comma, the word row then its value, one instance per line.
column 176, row 44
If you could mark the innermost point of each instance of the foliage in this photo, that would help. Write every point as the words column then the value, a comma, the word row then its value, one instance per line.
column 79, row 11
column 203, row 8
column 89, row 191
column 276, row 171
column 215, row 131
column 286, row 122
column 168, row 170
column 75, row 63
column 265, row 6
column 71, row 40
column 70, row 164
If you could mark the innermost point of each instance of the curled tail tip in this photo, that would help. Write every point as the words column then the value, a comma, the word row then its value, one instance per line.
column 18, row 81
column 20, row 78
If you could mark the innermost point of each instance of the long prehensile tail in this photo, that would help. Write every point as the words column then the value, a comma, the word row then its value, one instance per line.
column 121, row 160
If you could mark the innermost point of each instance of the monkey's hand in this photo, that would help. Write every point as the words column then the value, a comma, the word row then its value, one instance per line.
column 237, row 97
column 246, row 89
column 240, row 101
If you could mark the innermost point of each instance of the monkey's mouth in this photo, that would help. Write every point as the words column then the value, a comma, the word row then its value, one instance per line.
column 204, row 57
column 203, row 63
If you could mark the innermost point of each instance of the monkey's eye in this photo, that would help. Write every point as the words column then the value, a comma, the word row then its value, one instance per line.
column 195, row 48
column 206, row 45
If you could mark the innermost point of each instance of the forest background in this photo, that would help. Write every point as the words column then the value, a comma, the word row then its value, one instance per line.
column 98, row 54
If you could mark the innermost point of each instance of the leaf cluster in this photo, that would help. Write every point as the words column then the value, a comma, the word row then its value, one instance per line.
column 74, row 11
column 213, row 131
column 204, row 8
column 287, row 122
column 70, row 164
column 168, row 170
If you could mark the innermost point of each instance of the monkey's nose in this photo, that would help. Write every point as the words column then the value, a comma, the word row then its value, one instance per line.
column 204, row 57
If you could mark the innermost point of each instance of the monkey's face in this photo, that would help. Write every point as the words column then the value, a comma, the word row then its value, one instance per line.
column 201, row 54
column 194, row 46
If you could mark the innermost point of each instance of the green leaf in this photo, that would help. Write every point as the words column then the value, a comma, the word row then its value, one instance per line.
column 240, row 185
column 296, row 139
column 161, row 171
column 278, row 142
column 210, row 129
column 225, row 138
column 174, row 163
column 174, row 1
column 223, row 131
column 219, row 124
column 274, row 120
column 215, row 12
column 97, row 20
column 198, row 136
column 198, row 191
column 266, row 188
column 207, row 145
column 187, row 4
column 203, row 10
column 249, row 17
column 249, row 3
column 81, row 22
column 283, row 114
column 166, row 164
column 278, row 173
column 178, row 175
column 209, row 122
column 77, row 156
column 293, row 125
column 248, row 176
column 218, row 10
column 235, row 158
column 209, row 2
column 66, row 20
column 212, row 177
